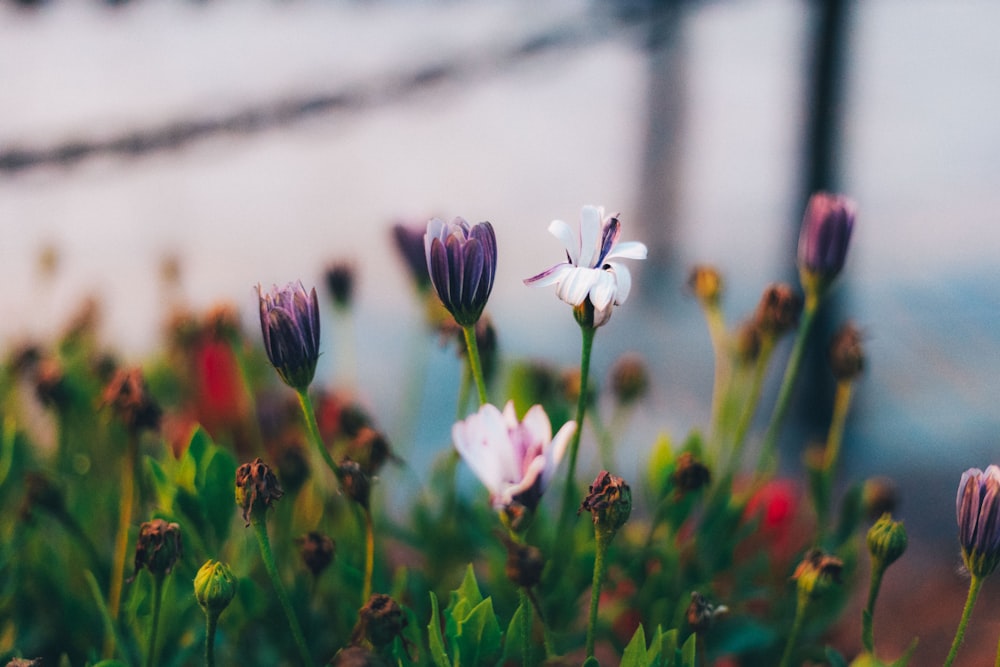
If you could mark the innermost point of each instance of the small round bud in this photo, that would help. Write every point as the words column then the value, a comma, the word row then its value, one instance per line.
column 629, row 379
column 690, row 474
column 879, row 495
column 356, row 483
column 129, row 399
column 158, row 547
column 705, row 282
column 609, row 501
column 778, row 310
column 817, row 573
column 257, row 489
column 524, row 564
column 340, row 283
column 214, row 586
column 847, row 355
column 886, row 540
column 317, row 551
column 380, row 621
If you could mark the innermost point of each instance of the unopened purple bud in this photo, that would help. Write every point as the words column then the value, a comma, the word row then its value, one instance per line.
column 826, row 234
column 289, row 322
column 462, row 262
column 978, row 510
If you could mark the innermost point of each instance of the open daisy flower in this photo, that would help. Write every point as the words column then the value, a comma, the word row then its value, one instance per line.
column 514, row 460
column 590, row 271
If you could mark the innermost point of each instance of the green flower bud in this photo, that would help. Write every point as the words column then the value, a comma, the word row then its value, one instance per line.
column 214, row 586
column 886, row 540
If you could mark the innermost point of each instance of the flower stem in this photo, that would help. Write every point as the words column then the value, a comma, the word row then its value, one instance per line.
column 475, row 364
column 841, row 402
column 569, row 496
column 720, row 383
column 366, row 591
column 600, row 568
column 550, row 651
column 211, row 621
column 126, row 500
column 793, row 636
column 867, row 634
column 157, row 600
column 260, row 530
column 314, row 434
column 974, row 585
column 768, row 452
column 753, row 400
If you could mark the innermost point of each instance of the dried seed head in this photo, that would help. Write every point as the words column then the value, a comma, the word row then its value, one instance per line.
column 257, row 489
column 158, row 547
column 317, row 551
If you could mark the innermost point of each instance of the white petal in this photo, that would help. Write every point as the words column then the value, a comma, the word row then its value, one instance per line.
column 576, row 285
column 628, row 250
column 549, row 276
column 624, row 280
column 537, row 425
column 484, row 442
column 602, row 294
column 591, row 218
column 554, row 452
column 531, row 473
column 570, row 241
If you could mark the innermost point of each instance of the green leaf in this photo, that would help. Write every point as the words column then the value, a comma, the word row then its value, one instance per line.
column 689, row 652
column 165, row 489
column 660, row 467
column 478, row 639
column 668, row 647
column 517, row 640
column 635, row 652
column 904, row 660
column 834, row 657
column 434, row 638
column 217, row 491
column 591, row 662
column 469, row 589
column 654, row 653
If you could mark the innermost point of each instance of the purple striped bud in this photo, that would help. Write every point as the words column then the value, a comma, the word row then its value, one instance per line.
column 978, row 510
column 289, row 321
column 462, row 262
column 825, row 235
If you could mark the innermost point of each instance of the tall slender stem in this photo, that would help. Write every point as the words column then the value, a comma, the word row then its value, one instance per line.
column 475, row 364
column 126, row 500
column 793, row 636
column 753, row 400
column 867, row 633
column 314, row 434
column 260, row 530
column 974, row 585
column 841, row 402
column 720, row 382
column 157, row 600
column 211, row 621
column 600, row 568
column 788, row 383
column 366, row 590
column 569, row 495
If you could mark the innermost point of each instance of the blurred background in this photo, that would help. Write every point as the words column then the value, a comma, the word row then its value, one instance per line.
column 246, row 142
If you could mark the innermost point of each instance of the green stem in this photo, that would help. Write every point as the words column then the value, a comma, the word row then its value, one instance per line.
column 793, row 636
column 974, row 585
column 600, row 568
column 211, row 621
column 569, row 495
column 157, row 600
column 550, row 651
column 720, row 383
column 867, row 634
column 314, row 434
column 260, row 530
column 464, row 383
column 753, row 400
column 768, row 452
column 474, row 362
column 126, row 500
column 366, row 591
column 841, row 403
column 526, row 636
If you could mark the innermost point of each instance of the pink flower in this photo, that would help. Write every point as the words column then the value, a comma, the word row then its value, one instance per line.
column 514, row 460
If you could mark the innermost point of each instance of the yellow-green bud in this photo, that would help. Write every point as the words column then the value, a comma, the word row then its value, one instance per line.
column 886, row 540
column 817, row 573
column 705, row 282
column 214, row 586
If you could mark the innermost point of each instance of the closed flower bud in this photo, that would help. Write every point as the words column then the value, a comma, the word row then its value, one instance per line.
column 629, row 379
column 690, row 474
column 158, row 547
column 825, row 236
column 289, row 322
column 978, row 509
column 778, row 310
column 371, row 450
column 355, row 482
column 886, row 540
column 380, row 621
column 317, row 551
column 817, row 573
column 462, row 263
column 705, row 282
column 257, row 489
column 410, row 244
column 524, row 563
column 340, row 283
column 129, row 399
column 878, row 496
column 847, row 355
column 214, row 586
column 609, row 502
column 701, row 614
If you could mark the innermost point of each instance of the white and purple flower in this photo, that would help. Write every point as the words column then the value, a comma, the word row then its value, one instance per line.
column 289, row 322
column 514, row 459
column 978, row 508
column 590, row 271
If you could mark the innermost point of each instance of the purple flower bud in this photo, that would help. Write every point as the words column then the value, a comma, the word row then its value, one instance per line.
column 410, row 244
column 289, row 321
column 978, row 510
column 462, row 262
column 825, row 235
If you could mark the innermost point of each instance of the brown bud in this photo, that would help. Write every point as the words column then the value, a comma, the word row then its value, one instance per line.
column 778, row 310
column 629, row 378
column 878, row 496
column 317, row 551
column 257, row 489
column 705, row 282
column 524, row 564
column 690, row 474
column 51, row 387
column 817, row 573
column 748, row 342
column 356, row 483
column 847, row 354
column 701, row 614
column 380, row 621
column 371, row 450
column 128, row 397
column 158, row 547
column 609, row 501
